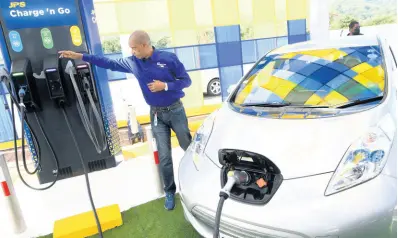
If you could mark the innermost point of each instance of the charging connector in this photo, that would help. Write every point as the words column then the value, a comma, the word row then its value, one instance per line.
column 87, row 123
column 234, row 177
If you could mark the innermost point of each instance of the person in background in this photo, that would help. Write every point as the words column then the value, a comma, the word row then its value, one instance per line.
column 162, row 78
column 354, row 28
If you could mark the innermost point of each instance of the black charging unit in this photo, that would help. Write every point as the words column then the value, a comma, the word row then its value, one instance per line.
column 22, row 78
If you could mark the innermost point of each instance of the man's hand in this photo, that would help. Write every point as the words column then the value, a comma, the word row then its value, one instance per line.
column 70, row 54
column 156, row 86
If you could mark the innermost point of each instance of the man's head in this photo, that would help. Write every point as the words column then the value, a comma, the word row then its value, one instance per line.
column 355, row 28
column 140, row 44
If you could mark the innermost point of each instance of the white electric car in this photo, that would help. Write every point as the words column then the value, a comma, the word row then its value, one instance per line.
column 313, row 125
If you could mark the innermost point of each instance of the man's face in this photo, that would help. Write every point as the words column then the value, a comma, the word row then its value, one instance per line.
column 356, row 29
column 138, row 50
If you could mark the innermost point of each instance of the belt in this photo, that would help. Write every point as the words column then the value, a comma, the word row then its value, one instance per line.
column 167, row 108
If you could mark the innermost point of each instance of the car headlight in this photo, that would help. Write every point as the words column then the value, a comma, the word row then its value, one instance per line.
column 363, row 161
column 201, row 138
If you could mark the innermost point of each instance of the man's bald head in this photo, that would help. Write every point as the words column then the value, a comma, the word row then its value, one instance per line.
column 140, row 44
column 140, row 37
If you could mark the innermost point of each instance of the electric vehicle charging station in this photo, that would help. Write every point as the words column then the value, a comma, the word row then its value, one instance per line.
column 33, row 32
column 65, row 105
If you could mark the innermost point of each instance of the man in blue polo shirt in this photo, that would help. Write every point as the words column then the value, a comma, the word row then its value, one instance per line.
column 162, row 78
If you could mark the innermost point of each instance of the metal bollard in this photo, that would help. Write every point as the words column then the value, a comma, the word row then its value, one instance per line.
column 135, row 132
column 12, row 204
column 153, row 148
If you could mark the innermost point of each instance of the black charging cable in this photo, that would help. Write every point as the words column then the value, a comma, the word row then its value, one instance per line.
column 21, row 108
column 84, row 169
column 23, row 120
column 223, row 196
column 21, row 94
column 71, row 70
column 6, row 79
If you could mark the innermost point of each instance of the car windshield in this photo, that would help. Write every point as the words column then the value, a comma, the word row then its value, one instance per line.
column 324, row 78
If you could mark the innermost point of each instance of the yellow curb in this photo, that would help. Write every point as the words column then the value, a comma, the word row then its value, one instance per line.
column 84, row 225
column 9, row 145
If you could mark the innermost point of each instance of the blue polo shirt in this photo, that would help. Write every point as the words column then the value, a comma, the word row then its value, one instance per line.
column 163, row 66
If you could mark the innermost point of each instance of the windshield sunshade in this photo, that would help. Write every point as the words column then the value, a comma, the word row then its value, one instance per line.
column 327, row 77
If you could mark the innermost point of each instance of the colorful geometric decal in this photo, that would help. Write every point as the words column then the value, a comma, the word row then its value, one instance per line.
column 320, row 77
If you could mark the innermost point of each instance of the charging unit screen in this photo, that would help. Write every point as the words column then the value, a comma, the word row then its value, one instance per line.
column 54, row 83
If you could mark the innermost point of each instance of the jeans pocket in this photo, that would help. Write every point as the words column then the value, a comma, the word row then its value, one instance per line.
column 177, row 110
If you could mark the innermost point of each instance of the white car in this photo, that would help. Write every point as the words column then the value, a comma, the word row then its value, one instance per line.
column 211, row 82
column 311, row 132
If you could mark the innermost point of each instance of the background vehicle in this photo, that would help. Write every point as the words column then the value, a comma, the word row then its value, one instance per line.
column 211, row 82
column 314, row 126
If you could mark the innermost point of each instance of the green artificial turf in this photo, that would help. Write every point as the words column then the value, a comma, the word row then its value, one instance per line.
column 152, row 220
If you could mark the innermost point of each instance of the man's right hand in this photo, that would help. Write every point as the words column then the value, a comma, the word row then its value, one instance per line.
column 70, row 54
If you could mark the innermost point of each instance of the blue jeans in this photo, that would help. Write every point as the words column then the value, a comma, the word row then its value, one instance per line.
column 169, row 118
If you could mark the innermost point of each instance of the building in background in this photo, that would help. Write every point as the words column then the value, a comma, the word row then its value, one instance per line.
column 217, row 40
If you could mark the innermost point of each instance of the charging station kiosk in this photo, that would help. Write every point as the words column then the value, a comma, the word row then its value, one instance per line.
column 31, row 35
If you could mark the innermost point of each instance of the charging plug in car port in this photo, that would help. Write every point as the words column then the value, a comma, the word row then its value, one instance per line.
column 264, row 176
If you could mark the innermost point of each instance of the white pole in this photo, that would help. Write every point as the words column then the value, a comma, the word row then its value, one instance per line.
column 156, row 162
column 319, row 20
column 133, row 120
column 12, row 204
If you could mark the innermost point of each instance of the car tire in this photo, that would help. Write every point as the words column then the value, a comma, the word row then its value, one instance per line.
column 214, row 87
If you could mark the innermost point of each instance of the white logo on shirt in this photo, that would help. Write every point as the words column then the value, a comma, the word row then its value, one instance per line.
column 161, row 65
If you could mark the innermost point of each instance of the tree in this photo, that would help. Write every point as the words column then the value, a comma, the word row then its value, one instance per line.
column 206, row 37
column 247, row 33
column 111, row 45
column 164, row 42
column 345, row 22
column 380, row 21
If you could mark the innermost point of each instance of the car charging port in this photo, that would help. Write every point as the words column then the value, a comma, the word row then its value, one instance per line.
column 264, row 176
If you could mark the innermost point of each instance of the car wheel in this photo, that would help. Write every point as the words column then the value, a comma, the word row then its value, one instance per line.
column 214, row 87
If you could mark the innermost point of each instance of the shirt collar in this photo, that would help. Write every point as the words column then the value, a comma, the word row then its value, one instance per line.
column 153, row 56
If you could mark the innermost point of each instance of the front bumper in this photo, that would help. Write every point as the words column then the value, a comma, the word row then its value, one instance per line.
column 298, row 209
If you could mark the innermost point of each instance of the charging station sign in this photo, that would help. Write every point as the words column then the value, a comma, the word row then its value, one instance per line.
column 38, row 13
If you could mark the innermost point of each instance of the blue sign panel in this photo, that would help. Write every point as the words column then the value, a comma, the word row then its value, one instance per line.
column 38, row 13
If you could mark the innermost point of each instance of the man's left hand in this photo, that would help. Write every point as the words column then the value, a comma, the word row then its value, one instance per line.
column 156, row 86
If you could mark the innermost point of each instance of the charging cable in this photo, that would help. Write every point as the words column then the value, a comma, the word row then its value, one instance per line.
column 234, row 177
column 85, row 171
column 93, row 108
column 5, row 77
column 88, row 125
column 70, row 69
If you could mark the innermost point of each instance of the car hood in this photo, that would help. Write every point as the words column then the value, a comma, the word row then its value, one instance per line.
column 298, row 147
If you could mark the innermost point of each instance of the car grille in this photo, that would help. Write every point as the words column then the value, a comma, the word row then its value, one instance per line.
column 235, row 228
